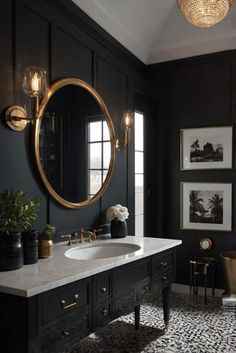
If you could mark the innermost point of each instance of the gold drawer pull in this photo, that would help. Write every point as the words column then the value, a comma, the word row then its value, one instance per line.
column 75, row 299
column 104, row 289
column 163, row 264
column 66, row 333
column 104, row 312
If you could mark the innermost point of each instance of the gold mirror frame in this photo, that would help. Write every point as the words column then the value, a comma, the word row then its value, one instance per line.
column 52, row 90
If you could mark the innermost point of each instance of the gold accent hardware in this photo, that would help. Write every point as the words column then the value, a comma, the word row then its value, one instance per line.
column 166, row 325
column 66, row 333
column 117, row 145
column 67, row 236
column 75, row 301
column 34, row 86
column 104, row 312
column 163, row 264
column 43, row 106
column 85, row 235
column 104, row 289
column 94, row 233
column 14, row 116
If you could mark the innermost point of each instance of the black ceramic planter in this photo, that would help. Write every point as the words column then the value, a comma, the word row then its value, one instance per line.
column 11, row 251
column 118, row 229
column 30, row 246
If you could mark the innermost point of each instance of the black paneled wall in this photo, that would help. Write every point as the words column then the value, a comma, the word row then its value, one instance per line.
column 195, row 92
column 57, row 35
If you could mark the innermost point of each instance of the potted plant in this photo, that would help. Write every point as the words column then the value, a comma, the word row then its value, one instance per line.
column 11, row 249
column 29, row 235
column 117, row 215
column 46, row 241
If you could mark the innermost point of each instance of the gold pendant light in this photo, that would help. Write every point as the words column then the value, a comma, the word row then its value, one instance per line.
column 204, row 13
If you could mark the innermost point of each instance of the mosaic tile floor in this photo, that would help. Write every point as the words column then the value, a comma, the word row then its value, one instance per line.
column 195, row 328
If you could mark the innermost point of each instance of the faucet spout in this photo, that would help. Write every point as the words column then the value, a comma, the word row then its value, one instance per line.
column 85, row 236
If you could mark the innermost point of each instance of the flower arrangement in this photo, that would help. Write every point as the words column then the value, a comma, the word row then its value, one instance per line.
column 117, row 212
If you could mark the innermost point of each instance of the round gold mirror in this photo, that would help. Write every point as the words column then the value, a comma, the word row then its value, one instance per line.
column 74, row 143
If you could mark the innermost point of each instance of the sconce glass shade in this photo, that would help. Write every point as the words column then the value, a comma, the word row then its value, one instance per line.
column 35, row 81
column 204, row 13
column 128, row 119
column 127, row 122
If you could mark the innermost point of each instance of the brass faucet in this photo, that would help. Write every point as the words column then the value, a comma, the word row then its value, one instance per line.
column 91, row 236
column 82, row 237
column 85, row 235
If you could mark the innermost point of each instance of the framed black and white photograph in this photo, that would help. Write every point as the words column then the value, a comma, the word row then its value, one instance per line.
column 206, row 148
column 206, row 206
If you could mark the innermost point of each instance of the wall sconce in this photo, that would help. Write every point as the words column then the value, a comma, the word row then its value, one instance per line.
column 35, row 86
column 126, row 124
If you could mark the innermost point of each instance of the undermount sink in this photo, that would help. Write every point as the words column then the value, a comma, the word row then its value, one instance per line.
column 101, row 251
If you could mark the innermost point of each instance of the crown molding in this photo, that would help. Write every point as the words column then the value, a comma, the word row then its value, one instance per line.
column 77, row 16
column 186, row 49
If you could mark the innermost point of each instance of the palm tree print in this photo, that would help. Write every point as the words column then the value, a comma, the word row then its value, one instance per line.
column 216, row 207
column 196, row 206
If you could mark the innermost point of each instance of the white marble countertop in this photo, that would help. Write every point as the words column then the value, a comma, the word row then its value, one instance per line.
column 59, row 270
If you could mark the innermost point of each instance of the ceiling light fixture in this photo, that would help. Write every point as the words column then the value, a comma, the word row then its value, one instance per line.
column 204, row 13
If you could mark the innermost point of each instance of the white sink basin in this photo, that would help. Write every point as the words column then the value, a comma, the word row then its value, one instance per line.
column 101, row 251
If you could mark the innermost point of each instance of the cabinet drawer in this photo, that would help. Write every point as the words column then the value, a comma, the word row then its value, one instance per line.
column 163, row 280
column 59, row 335
column 127, row 275
column 162, row 262
column 62, row 300
column 102, row 285
column 102, row 314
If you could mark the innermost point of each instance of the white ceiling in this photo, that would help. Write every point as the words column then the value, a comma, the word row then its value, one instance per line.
column 156, row 30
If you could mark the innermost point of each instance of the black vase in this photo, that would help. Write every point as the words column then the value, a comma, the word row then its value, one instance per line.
column 118, row 229
column 30, row 246
column 11, row 251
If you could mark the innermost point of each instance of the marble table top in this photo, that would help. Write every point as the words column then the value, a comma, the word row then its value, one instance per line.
column 59, row 270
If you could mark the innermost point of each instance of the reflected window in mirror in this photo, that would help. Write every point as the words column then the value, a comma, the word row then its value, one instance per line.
column 99, row 153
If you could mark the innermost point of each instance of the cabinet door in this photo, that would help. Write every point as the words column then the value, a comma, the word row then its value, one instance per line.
column 131, row 286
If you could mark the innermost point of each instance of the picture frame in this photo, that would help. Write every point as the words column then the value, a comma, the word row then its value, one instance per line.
column 206, row 206
column 206, row 148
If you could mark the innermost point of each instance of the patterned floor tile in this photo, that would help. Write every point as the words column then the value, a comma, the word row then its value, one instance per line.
column 195, row 328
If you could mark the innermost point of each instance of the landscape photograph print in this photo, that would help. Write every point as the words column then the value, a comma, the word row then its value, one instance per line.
column 206, row 206
column 206, row 148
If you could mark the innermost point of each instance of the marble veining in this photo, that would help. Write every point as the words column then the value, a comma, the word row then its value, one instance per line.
column 59, row 270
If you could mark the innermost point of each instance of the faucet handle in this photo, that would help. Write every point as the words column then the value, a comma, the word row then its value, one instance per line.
column 67, row 236
column 95, row 231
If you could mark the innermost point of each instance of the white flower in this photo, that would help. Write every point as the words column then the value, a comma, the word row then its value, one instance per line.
column 118, row 212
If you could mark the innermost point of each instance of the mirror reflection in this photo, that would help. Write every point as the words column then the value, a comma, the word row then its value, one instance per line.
column 75, row 144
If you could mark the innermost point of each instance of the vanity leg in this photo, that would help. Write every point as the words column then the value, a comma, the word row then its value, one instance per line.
column 166, row 305
column 137, row 317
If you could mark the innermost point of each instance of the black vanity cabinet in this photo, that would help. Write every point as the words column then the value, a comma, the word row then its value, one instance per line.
column 52, row 321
